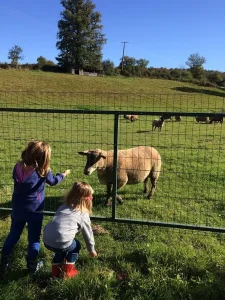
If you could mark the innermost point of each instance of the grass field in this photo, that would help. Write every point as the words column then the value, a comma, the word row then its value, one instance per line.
column 135, row 262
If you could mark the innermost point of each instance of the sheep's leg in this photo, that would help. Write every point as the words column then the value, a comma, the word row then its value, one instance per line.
column 120, row 184
column 153, row 182
column 146, row 189
column 109, row 193
column 109, row 188
column 154, row 175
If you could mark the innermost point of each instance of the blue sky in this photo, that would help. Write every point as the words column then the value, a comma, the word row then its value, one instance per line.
column 165, row 32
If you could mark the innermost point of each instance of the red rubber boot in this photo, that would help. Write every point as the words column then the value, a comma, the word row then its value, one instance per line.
column 68, row 270
column 57, row 270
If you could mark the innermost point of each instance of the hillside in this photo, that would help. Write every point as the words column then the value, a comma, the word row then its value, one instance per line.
column 16, row 80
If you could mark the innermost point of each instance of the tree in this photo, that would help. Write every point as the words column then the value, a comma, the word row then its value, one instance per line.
column 133, row 66
column 15, row 54
column 41, row 60
column 214, row 77
column 142, row 62
column 50, row 63
column 80, row 37
column 195, row 62
column 108, row 67
column 128, row 61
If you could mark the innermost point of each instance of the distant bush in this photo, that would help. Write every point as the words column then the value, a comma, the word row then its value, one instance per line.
column 4, row 65
column 28, row 67
column 55, row 69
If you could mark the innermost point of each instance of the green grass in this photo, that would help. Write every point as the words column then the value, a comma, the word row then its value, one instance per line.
column 156, row 263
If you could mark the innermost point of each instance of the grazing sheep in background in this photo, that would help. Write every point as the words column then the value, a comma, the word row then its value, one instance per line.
column 166, row 116
column 216, row 119
column 178, row 118
column 135, row 165
column 131, row 118
column 202, row 119
column 158, row 123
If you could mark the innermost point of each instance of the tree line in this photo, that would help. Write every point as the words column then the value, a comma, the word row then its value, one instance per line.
column 80, row 41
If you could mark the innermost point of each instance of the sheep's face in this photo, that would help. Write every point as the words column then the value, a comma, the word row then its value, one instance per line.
column 93, row 158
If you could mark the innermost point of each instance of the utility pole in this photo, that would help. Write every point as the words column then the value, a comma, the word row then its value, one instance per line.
column 124, row 43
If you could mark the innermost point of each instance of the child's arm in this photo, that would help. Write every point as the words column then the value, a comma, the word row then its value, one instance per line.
column 88, row 235
column 55, row 179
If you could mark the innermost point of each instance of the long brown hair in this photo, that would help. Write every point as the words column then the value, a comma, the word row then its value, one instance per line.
column 80, row 197
column 37, row 155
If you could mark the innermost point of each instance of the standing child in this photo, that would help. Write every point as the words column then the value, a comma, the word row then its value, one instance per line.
column 59, row 234
column 30, row 175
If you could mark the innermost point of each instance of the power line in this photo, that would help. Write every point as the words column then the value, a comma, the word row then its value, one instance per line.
column 124, row 43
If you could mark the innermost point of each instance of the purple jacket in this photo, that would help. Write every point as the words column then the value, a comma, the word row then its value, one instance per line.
column 29, row 189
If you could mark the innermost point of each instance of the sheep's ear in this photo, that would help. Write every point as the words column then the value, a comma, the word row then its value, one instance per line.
column 83, row 152
column 103, row 156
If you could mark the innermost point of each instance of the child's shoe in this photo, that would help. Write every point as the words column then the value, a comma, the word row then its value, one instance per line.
column 4, row 265
column 34, row 266
column 57, row 270
column 68, row 270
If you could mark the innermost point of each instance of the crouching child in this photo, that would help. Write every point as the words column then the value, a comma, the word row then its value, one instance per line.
column 59, row 234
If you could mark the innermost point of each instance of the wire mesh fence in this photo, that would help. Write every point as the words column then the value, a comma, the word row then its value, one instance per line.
column 184, row 99
column 189, row 190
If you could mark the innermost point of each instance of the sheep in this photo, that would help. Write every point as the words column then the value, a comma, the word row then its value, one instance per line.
column 158, row 123
column 216, row 119
column 131, row 118
column 166, row 116
column 135, row 165
column 202, row 119
column 178, row 118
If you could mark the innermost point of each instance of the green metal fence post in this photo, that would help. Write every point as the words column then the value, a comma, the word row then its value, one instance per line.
column 115, row 156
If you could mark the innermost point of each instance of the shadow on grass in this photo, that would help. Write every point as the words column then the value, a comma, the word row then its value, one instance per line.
column 143, row 131
column 219, row 207
column 53, row 203
column 14, row 275
column 199, row 91
column 4, row 213
column 100, row 199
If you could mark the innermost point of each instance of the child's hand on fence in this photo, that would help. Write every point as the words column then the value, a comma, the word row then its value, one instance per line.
column 93, row 254
column 67, row 172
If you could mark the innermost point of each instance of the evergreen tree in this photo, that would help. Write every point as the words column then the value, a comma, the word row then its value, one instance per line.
column 80, row 38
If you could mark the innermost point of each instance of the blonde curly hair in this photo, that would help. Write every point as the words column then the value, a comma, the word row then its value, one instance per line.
column 80, row 197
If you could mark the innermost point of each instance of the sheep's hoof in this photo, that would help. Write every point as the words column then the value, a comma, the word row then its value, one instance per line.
column 149, row 197
column 120, row 202
column 109, row 203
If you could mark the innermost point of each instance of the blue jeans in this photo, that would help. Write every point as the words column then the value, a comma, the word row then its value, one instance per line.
column 34, row 222
column 70, row 254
